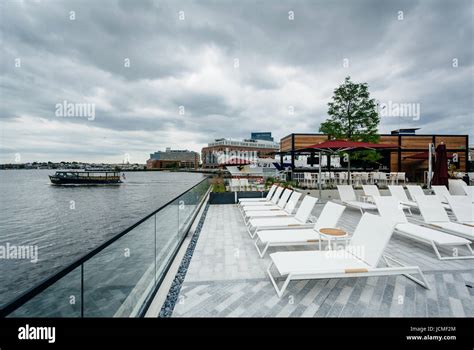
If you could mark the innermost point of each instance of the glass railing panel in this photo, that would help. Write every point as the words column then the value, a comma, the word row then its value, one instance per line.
column 189, row 203
column 167, row 236
column 186, row 208
column 119, row 278
column 61, row 299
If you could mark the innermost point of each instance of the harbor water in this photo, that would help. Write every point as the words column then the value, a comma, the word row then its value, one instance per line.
column 65, row 222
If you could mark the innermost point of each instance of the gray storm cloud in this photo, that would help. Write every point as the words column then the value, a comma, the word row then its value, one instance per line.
column 233, row 67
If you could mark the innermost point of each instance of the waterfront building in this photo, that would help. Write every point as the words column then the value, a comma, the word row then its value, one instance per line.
column 173, row 158
column 410, row 157
column 224, row 149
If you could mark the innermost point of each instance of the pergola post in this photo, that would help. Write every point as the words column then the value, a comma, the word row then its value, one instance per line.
column 319, row 175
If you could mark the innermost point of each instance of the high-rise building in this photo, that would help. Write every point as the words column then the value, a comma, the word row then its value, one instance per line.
column 263, row 136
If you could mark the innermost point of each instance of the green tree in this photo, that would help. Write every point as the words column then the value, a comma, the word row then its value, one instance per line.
column 353, row 116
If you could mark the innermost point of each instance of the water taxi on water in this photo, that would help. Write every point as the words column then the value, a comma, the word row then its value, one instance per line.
column 85, row 178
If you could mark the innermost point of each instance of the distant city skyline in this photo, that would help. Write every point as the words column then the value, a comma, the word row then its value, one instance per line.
column 102, row 81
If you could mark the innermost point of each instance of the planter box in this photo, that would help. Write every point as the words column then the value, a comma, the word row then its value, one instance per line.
column 222, row 198
column 251, row 194
column 233, row 197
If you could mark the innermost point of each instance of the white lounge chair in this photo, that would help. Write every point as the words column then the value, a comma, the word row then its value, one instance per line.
column 469, row 190
column 287, row 210
column 267, row 198
column 460, row 188
column 390, row 209
column 462, row 208
column 349, row 198
column 399, row 193
column 371, row 191
column 434, row 214
column 278, row 206
column 272, row 201
column 441, row 192
column 359, row 259
column 299, row 220
column 457, row 187
column 415, row 190
column 328, row 218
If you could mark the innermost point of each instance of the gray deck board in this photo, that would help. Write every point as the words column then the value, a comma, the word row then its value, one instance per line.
column 227, row 278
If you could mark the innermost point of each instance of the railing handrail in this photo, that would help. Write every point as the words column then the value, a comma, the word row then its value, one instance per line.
column 47, row 282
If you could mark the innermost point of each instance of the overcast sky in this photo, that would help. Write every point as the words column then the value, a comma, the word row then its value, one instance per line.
column 233, row 66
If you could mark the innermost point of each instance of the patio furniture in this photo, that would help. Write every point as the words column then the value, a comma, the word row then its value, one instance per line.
column 309, row 181
column 299, row 220
column 399, row 193
column 380, row 178
column 332, row 235
column 287, row 209
column 462, row 208
column 328, row 218
column 259, row 200
column 349, row 198
column 272, row 201
column 279, row 205
column 434, row 214
column 415, row 190
column 359, row 259
column 390, row 210
column 456, row 187
column 441, row 192
column 370, row 191
column 401, row 177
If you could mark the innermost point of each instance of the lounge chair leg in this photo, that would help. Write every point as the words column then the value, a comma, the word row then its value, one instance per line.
column 436, row 250
column 248, row 223
column 283, row 287
column 470, row 249
column 438, row 254
column 425, row 282
column 261, row 252
column 422, row 282
column 249, row 230
column 252, row 235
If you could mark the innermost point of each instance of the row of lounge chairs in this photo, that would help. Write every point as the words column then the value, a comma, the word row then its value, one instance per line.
column 274, row 221
column 434, row 226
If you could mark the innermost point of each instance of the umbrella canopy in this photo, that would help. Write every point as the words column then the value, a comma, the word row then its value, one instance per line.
column 423, row 156
column 334, row 146
column 441, row 166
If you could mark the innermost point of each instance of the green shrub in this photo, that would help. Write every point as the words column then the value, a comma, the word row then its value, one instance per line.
column 218, row 187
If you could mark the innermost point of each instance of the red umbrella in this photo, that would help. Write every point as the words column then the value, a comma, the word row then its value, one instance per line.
column 423, row 156
column 335, row 146
column 441, row 167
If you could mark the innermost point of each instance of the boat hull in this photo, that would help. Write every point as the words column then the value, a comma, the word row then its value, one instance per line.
column 55, row 180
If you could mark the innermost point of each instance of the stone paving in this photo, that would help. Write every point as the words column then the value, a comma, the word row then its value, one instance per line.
column 227, row 278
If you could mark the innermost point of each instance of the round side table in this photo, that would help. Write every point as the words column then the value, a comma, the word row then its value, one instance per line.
column 332, row 235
